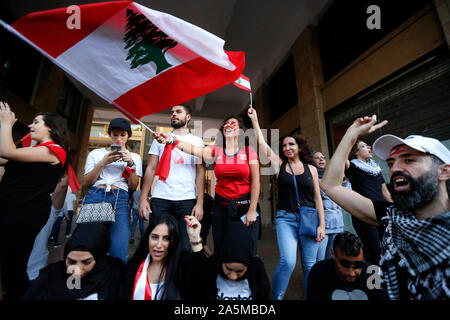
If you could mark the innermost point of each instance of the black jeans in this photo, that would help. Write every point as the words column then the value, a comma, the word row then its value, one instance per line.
column 178, row 209
column 15, row 249
column 221, row 219
column 371, row 240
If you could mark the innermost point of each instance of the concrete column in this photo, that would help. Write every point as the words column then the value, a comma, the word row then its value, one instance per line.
column 443, row 10
column 308, row 71
column 85, row 131
column 48, row 88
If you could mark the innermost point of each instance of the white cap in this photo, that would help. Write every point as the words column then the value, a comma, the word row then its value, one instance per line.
column 383, row 145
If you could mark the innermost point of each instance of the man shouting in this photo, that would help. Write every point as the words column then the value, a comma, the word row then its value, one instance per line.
column 416, row 227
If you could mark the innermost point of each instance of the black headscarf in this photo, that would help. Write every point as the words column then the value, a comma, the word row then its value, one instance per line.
column 237, row 246
column 91, row 237
column 52, row 283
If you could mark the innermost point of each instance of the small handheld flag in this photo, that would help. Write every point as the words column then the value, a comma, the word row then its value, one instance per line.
column 243, row 82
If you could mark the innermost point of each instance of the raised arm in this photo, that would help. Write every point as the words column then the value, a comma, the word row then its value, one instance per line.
column 265, row 149
column 358, row 205
column 204, row 153
column 8, row 149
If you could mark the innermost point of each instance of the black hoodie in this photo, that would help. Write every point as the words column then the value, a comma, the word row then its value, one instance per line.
column 237, row 247
column 101, row 280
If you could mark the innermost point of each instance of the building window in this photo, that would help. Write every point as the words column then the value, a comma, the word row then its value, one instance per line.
column 283, row 90
column 70, row 105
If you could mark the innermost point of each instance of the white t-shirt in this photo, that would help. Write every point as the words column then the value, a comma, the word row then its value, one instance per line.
column 233, row 290
column 70, row 198
column 136, row 195
column 111, row 173
column 180, row 184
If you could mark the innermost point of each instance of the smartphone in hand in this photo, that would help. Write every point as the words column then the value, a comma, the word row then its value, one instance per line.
column 243, row 217
column 116, row 147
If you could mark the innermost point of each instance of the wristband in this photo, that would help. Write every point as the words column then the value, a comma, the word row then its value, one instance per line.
column 194, row 243
column 133, row 166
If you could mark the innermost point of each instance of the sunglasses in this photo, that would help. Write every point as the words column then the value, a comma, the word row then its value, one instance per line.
column 320, row 157
column 353, row 264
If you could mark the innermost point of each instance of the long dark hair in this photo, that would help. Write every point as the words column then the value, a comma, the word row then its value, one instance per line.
column 59, row 132
column 242, row 140
column 170, row 290
column 354, row 150
column 305, row 150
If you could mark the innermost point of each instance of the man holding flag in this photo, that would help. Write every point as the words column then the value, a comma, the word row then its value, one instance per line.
column 179, row 189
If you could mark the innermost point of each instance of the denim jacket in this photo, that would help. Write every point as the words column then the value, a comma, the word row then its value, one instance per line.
column 334, row 221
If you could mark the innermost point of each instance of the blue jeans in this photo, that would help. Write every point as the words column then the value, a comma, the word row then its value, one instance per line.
column 57, row 225
column 137, row 218
column 120, row 229
column 325, row 247
column 288, row 227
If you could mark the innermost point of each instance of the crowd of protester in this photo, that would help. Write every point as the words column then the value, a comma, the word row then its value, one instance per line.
column 400, row 249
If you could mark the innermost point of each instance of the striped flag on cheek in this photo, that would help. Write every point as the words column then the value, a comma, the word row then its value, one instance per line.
column 140, row 60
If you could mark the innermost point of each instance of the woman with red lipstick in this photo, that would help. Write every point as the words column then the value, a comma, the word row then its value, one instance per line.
column 295, row 159
column 31, row 175
column 367, row 179
column 153, row 273
column 237, row 172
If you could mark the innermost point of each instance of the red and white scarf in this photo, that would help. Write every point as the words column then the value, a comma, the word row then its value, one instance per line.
column 142, row 289
column 56, row 149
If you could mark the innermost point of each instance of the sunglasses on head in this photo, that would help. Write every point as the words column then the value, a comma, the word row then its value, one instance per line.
column 353, row 264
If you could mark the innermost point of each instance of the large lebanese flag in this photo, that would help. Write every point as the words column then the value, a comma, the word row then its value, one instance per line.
column 140, row 60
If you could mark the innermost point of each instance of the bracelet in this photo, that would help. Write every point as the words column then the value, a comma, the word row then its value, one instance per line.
column 196, row 242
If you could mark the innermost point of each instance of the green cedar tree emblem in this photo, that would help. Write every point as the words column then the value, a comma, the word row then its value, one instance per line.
column 145, row 42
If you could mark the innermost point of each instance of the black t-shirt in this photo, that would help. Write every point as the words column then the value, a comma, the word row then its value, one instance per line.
column 324, row 283
column 365, row 184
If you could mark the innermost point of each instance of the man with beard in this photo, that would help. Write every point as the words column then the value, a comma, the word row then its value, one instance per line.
column 181, row 192
column 416, row 227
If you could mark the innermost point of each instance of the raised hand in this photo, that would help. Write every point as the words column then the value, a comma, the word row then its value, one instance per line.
column 193, row 228
column 252, row 113
column 6, row 115
column 364, row 126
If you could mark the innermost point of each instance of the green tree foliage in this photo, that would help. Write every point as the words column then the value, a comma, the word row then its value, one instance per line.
column 145, row 42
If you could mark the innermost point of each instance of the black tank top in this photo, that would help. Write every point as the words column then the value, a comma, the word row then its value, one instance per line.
column 25, row 190
column 286, row 189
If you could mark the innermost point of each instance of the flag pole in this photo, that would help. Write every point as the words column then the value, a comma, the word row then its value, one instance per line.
column 251, row 102
column 132, row 117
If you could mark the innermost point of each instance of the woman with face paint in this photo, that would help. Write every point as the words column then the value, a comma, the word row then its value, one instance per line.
column 31, row 175
column 238, row 181
column 86, row 273
column 233, row 273
column 111, row 173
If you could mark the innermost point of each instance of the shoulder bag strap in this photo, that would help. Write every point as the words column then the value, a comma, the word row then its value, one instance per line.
column 295, row 184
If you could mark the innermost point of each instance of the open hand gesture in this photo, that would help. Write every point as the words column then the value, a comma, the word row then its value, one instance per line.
column 364, row 126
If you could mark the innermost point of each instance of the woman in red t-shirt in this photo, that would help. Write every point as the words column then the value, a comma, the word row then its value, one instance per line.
column 237, row 173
